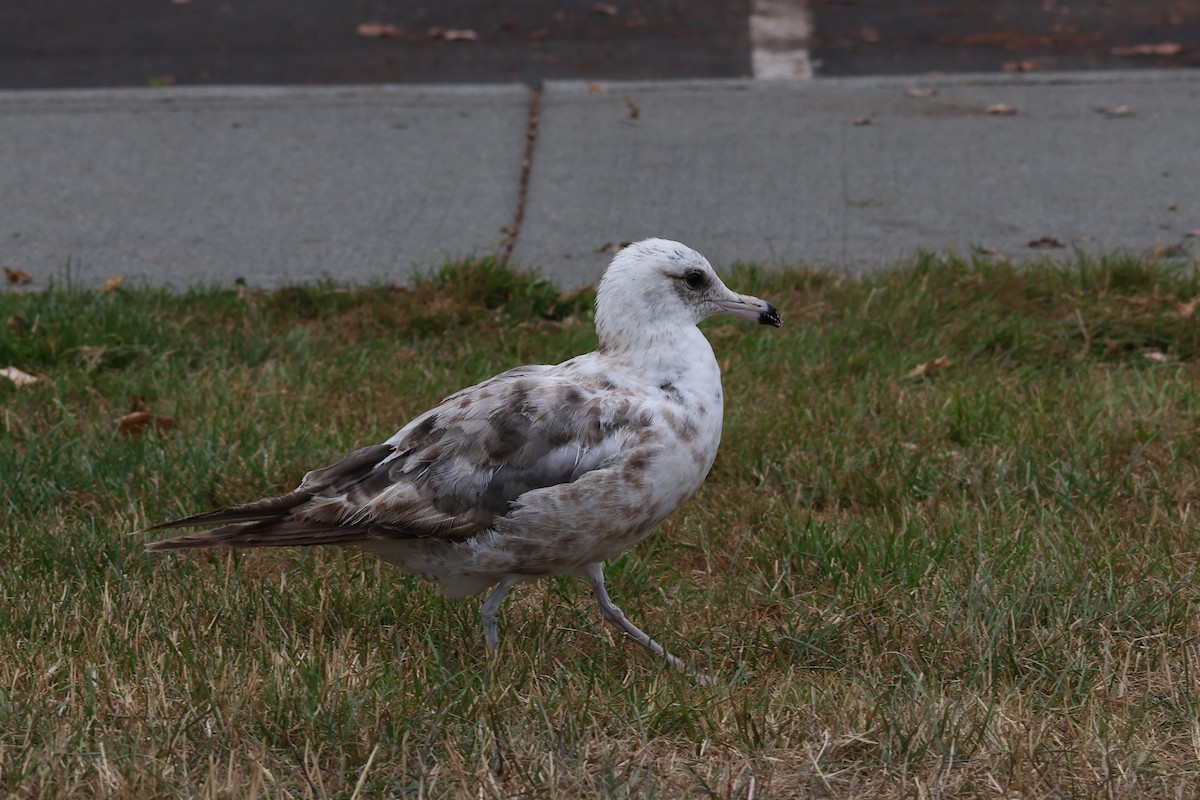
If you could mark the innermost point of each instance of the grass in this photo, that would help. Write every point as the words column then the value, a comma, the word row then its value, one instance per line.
column 976, row 582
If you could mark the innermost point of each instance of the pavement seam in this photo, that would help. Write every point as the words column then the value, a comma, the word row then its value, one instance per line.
column 531, row 135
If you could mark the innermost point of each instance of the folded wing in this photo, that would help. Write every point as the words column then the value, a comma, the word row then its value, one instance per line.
column 449, row 474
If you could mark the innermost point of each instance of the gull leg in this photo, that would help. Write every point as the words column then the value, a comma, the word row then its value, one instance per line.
column 616, row 617
column 491, row 612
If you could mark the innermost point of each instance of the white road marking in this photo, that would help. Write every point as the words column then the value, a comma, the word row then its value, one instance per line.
column 779, row 31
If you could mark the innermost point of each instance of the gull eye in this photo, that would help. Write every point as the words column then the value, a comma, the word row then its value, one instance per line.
column 694, row 278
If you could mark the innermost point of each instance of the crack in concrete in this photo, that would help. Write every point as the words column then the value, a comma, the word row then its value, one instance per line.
column 531, row 134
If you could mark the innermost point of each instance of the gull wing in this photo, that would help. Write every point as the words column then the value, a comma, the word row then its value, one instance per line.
column 450, row 473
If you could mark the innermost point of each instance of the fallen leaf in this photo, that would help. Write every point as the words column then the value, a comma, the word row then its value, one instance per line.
column 113, row 284
column 1020, row 66
column 596, row 88
column 1159, row 49
column 135, row 423
column 635, row 110
column 18, row 276
column 379, row 30
column 607, row 9
column 612, row 249
column 22, row 378
column 454, row 34
column 1172, row 207
column 861, row 121
column 928, row 368
column 1185, row 310
column 915, row 92
column 1000, row 110
column 1045, row 241
column 1116, row 111
column 1157, row 356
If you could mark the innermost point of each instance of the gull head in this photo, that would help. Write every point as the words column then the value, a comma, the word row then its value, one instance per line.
column 658, row 283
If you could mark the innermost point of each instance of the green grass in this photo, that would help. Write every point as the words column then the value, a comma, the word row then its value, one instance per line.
column 976, row 583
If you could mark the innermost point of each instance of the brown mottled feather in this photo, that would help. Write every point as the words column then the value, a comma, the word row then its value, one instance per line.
column 448, row 474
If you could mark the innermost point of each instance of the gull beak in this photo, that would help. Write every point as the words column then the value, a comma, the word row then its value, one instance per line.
column 747, row 307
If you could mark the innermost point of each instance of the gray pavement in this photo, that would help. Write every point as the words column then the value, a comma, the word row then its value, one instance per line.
column 179, row 186
column 270, row 185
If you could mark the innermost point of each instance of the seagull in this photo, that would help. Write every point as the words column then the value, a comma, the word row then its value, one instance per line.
column 540, row 470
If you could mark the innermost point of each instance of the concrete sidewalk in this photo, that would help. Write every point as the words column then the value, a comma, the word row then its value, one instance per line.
column 180, row 186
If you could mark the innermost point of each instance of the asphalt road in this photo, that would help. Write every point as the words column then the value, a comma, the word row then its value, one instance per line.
column 879, row 37
column 84, row 43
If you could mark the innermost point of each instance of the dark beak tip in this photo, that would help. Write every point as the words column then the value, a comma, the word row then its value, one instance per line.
column 770, row 317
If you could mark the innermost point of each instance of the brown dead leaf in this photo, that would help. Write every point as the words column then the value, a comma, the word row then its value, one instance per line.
column 606, row 9
column 113, row 284
column 612, row 249
column 918, row 92
column 635, row 110
column 21, row 377
column 1185, row 310
column 17, row 276
column 454, row 34
column 596, row 88
column 928, row 368
column 1000, row 110
column 1020, row 66
column 139, row 419
column 1159, row 49
column 135, row 423
column 1045, row 242
column 861, row 121
column 379, row 30
column 1172, row 207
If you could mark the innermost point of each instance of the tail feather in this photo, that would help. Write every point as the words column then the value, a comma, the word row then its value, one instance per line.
column 273, row 521
column 275, row 533
column 272, row 513
column 268, row 508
